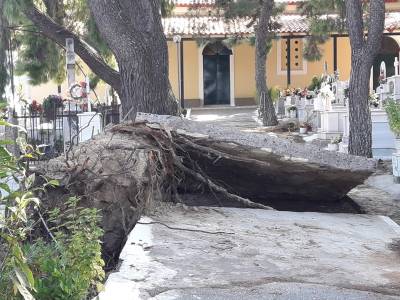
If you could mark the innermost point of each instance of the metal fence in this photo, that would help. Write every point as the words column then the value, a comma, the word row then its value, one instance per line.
column 58, row 129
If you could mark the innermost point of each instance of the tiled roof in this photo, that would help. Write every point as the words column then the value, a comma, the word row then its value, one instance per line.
column 193, row 2
column 218, row 26
column 204, row 26
column 212, row 2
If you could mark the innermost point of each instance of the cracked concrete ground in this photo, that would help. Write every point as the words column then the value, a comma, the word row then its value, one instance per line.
column 258, row 254
column 273, row 291
column 379, row 195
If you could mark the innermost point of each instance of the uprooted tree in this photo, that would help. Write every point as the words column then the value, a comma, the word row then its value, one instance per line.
column 125, row 170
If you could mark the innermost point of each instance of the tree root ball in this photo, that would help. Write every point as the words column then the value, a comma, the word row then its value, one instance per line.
column 124, row 170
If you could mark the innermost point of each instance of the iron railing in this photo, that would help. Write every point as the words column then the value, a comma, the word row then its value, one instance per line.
column 58, row 129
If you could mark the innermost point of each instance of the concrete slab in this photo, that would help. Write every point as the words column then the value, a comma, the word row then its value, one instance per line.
column 228, row 253
column 273, row 291
column 385, row 183
column 239, row 117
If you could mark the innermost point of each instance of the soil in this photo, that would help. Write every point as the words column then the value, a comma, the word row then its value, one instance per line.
column 344, row 205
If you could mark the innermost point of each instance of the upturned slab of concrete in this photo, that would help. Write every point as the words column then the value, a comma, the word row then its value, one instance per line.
column 230, row 253
column 262, row 167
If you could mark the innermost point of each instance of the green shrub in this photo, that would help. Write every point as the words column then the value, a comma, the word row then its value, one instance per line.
column 393, row 111
column 17, row 198
column 274, row 93
column 68, row 266
column 315, row 83
column 50, row 106
column 64, row 266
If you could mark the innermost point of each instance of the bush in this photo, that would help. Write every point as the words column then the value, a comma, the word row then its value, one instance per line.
column 316, row 83
column 274, row 93
column 64, row 264
column 393, row 111
column 66, row 267
column 50, row 106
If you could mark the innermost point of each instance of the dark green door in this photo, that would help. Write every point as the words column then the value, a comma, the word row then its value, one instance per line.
column 216, row 73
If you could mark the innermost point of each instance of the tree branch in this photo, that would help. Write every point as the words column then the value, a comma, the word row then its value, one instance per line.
column 58, row 34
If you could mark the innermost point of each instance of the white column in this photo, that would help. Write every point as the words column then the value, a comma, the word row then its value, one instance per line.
column 371, row 81
column 232, row 77
column 201, row 79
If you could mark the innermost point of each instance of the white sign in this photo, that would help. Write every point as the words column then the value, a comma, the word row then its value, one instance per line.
column 70, row 49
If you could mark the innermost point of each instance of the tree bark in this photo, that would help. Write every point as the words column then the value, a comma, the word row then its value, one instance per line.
column 134, row 33
column 263, row 39
column 3, row 48
column 363, row 52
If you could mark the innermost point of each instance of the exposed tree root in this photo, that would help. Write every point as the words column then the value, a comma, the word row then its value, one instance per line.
column 124, row 171
column 167, row 141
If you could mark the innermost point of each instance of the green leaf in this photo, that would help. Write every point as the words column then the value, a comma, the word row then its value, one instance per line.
column 5, row 123
column 22, row 290
column 6, row 142
column 28, row 274
column 5, row 187
column 54, row 182
column 29, row 181
column 5, row 155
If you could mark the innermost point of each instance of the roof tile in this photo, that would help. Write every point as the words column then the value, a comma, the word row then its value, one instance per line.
column 190, row 26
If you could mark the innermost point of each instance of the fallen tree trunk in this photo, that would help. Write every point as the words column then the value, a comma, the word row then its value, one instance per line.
column 123, row 171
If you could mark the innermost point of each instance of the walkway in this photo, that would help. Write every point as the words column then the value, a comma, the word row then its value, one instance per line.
column 228, row 253
column 242, row 117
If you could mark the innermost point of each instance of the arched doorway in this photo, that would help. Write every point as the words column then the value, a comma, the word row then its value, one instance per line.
column 216, row 74
column 388, row 52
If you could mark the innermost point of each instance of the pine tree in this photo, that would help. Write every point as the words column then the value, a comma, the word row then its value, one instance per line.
column 142, row 83
column 324, row 17
column 261, row 14
column 364, row 21
column 38, row 57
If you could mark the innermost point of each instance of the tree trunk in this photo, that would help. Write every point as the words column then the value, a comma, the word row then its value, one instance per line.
column 134, row 33
column 3, row 48
column 360, row 139
column 263, row 40
column 145, row 82
column 363, row 52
